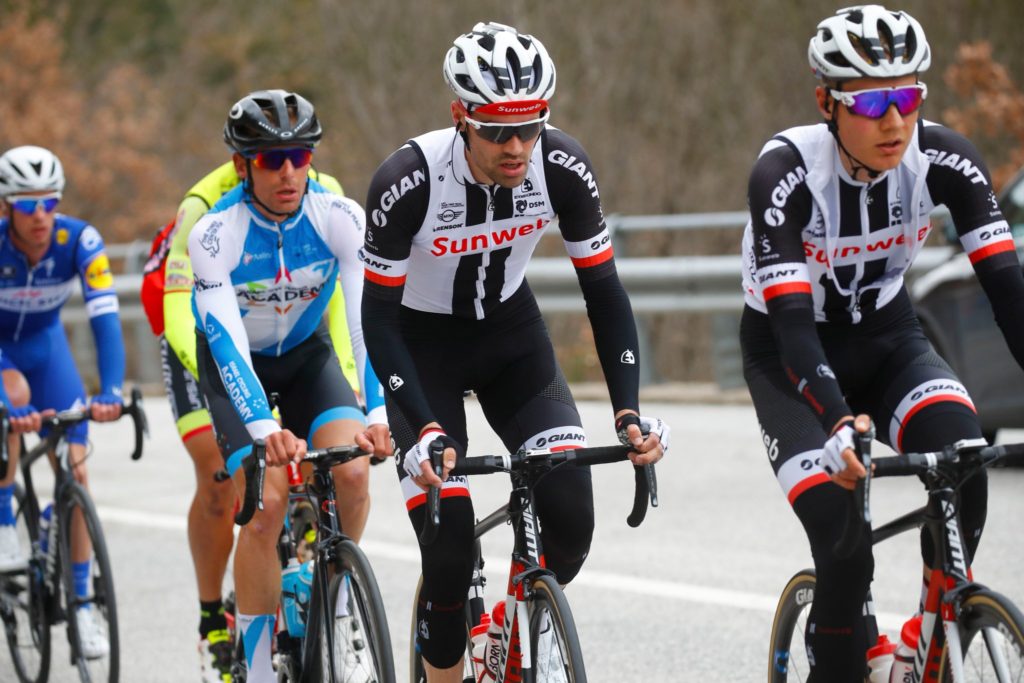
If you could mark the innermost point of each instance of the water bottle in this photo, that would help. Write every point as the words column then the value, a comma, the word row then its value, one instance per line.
column 296, row 583
column 480, row 639
column 903, row 658
column 44, row 527
column 880, row 658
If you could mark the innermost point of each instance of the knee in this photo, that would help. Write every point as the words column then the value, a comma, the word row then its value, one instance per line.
column 16, row 386
column 215, row 500
column 352, row 481
column 266, row 523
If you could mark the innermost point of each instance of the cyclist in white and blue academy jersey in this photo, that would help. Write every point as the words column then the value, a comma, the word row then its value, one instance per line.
column 42, row 254
column 265, row 261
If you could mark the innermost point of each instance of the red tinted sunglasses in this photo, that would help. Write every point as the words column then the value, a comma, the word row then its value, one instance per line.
column 273, row 159
column 876, row 102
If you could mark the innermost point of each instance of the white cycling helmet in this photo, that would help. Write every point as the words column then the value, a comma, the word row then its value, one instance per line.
column 871, row 41
column 496, row 65
column 30, row 169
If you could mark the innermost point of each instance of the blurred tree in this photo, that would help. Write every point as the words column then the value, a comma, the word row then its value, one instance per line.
column 990, row 108
column 110, row 137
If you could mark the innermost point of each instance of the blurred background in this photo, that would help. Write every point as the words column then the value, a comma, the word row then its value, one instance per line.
column 673, row 99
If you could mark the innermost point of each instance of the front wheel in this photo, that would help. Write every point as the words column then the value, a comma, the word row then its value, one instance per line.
column 91, row 609
column 787, row 654
column 991, row 638
column 554, row 645
column 23, row 603
column 357, row 642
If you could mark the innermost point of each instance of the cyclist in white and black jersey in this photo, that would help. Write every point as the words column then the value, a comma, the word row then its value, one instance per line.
column 454, row 216
column 266, row 259
column 838, row 212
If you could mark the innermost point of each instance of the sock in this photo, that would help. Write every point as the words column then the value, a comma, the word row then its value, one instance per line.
column 6, row 507
column 80, row 570
column 256, row 630
column 211, row 617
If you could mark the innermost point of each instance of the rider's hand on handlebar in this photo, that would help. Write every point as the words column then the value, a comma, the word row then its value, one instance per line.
column 283, row 447
column 376, row 440
column 630, row 429
column 417, row 460
column 24, row 419
column 105, row 407
column 839, row 459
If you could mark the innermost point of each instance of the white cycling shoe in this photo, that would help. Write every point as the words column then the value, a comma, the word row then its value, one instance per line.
column 12, row 558
column 92, row 635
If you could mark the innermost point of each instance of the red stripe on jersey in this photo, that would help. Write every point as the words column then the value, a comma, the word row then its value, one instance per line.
column 924, row 404
column 787, row 288
column 991, row 250
column 594, row 260
column 813, row 480
column 416, row 501
column 379, row 279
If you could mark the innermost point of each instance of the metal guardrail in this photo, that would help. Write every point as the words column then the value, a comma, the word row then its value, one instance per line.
column 671, row 284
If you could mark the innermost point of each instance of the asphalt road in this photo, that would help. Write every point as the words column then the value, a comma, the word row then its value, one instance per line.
column 688, row 596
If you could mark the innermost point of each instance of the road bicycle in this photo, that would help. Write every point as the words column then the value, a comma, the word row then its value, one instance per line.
column 968, row 632
column 341, row 632
column 539, row 643
column 42, row 594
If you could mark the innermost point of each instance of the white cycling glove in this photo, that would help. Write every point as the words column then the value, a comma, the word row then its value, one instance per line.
column 832, row 454
column 421, row 451
column 648, row 425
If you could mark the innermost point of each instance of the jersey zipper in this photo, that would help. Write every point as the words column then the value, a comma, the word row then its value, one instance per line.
column 281, row 272
column 485, row 257
column 30, row 271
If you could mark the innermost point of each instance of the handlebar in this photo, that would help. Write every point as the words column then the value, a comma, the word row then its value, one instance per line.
column 255, row 467
column 64, row 418
column 645, row 480
column 964, row 454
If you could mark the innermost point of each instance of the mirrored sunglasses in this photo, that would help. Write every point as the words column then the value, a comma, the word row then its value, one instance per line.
column 875, row 103
column 28, row 205
column 273, row 159
column 500, row 133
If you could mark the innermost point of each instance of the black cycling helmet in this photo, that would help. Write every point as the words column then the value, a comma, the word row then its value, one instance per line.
column 271, row 118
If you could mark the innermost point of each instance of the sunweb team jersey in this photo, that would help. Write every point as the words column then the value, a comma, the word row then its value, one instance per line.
column 262, row 287
column 440, row 242
column 823, row 247
column 31, row 296
column 179, row 322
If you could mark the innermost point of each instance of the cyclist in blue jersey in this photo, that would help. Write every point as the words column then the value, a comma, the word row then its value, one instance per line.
column 838, row 212
column 42, row 253
column 265, row 260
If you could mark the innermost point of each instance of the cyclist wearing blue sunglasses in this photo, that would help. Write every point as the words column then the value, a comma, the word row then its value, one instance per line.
column 42, row 254
column 838, row 212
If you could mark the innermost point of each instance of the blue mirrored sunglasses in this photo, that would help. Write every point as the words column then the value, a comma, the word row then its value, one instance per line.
column 876, row 102
column 29, row 205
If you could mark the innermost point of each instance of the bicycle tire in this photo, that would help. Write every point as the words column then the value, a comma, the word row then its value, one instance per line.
column 1001, row 626
column 360, row 638
column 101, row 599
column 787, row 663
column 23, row 602
column 417, row 674
column 554, row 642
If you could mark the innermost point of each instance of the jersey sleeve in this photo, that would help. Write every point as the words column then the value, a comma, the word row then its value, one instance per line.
column 345, row 236
column 958, row 178
column 102, row 307
column 386, row 249
column 576, row 200
column 213, row 254
column 179, row 323
column 780, row 270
